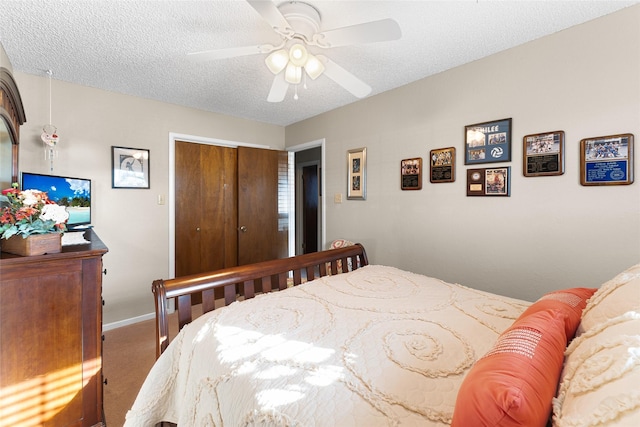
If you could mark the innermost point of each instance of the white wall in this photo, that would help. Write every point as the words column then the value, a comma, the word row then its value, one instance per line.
column 130, row 222
column 552, row 232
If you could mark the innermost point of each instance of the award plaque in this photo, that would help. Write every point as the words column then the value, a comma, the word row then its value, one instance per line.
column 411, row 174
column 543, row 154
column 607, row 160
column 442, row 166
column 489, row 182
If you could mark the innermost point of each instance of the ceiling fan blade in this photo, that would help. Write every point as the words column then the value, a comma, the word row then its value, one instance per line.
column 368, row 32
column 344, row 78
column 270, row 13
column 231, row 52
column 278, row 89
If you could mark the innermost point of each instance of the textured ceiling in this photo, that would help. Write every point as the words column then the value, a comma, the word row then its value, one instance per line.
column 139, row 47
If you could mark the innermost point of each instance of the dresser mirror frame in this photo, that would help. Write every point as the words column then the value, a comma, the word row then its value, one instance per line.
column 12, row 114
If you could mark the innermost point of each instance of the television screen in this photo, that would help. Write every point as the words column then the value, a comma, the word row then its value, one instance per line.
column 74, row 193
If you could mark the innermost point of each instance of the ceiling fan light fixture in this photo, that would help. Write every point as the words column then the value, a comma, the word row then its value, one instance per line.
column 298, row 55
column 293, row 74
column 277, row 61
column 314, row 67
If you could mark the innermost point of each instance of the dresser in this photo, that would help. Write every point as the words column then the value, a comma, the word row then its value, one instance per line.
column 51, row 337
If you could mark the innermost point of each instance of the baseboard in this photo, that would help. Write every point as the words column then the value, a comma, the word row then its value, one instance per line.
column 127, row 322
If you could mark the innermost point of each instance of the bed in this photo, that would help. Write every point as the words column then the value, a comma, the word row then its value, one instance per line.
column 326, row 339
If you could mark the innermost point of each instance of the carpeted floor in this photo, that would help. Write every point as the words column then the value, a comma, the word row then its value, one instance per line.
column 127, row 356
column 128, row 353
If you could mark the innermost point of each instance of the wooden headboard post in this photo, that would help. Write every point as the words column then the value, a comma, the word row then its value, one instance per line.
column 245, row 281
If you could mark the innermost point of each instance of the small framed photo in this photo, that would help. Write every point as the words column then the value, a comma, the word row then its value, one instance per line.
column 443, row 165
column 411, row 174
column 130, row 167
column 488, row 142
column 489, row 182
column 543, row 154
column 357, row 174
column 607, row 160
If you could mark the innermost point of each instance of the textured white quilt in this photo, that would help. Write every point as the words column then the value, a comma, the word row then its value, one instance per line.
column 375, row 347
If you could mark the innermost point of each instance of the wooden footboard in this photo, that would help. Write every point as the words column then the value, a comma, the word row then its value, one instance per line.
column 245, row 281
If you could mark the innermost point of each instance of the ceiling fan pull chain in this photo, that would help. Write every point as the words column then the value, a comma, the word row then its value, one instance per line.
column 295, row 95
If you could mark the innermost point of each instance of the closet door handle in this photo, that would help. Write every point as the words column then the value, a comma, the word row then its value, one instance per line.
column 243, row 229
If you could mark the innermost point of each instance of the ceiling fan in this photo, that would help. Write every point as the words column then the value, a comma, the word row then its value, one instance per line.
column 298, row 24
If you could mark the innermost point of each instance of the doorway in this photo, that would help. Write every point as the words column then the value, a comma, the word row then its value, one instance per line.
column 309, row 202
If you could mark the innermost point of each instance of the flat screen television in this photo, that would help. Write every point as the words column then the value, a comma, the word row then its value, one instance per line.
column 73, row 193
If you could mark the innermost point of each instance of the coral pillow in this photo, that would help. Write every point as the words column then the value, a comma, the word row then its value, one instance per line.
column 515, row 382
column 570, row 302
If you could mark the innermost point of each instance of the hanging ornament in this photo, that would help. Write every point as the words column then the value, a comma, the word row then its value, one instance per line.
column 49, row 134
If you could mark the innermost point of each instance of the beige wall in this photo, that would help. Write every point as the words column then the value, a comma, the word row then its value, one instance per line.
column 130, row 222
column 552, row 232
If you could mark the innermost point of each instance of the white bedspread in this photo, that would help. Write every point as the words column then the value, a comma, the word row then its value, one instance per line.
column 375, row 347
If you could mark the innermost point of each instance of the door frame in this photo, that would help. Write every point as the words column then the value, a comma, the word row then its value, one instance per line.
column 171, row 200
column 323, row 199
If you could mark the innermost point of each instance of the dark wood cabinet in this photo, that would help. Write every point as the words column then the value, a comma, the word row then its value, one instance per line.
column 51, row 337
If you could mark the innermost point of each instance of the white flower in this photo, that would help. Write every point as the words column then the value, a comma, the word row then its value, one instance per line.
column 30, row 197
column 54, row 212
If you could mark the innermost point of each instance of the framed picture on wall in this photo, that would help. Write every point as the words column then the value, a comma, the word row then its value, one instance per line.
column 357, row 174
column 543, row 154
column 442, row 165
column 488, row 142
column 130, row 167
column 607, row 160
column 489, row 182
column 411, row 174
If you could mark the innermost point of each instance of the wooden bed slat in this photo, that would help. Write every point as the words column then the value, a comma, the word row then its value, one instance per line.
column 208, row 300
column 249, row 289
column 267, row 276
column 230, row 294
column 282, row 280
column 311, row 272
column 297, row 277
column 184, row 309
column 334, row 267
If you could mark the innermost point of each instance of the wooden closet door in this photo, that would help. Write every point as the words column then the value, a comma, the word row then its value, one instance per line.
column 262, row 198
column 206, row 209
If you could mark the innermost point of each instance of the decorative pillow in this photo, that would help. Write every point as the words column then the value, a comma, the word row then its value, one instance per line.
column 570, row 302
column 614, row 298
column 599, row 382
column 339, row 243
column 514, row 383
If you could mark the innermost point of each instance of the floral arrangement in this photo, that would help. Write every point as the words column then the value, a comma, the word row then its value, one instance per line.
column 30, row 212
